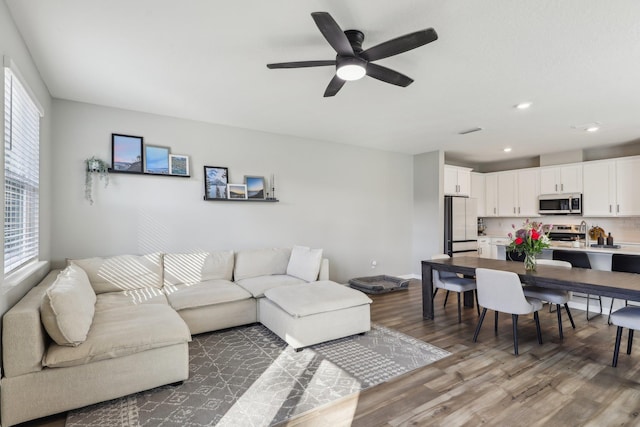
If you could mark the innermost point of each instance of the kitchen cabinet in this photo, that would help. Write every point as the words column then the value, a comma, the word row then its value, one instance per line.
column 491, row 194
column 484, row 247
column 518, row 192
column 498, row 247
column 478, row 191
column 627, row 177
column 507, row 189
column 561, row 179
column 609, row 187
column 528, row 192
column 457, row 181
column 599, row 195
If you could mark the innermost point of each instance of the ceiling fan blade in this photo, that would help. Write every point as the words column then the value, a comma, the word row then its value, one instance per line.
column 334, row 86
column 387, row 75
column 400, row 44
column 332, row 32
column 301, row 64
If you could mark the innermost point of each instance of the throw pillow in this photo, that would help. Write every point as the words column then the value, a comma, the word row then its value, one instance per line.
column 68, row 307
column 305, row 263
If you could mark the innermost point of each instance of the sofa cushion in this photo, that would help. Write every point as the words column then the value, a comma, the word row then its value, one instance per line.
column 304, row 263
column 109, row 300
column 261, row 262
column 120, row 332
column 257, row 285
column 318, row 297
column 122, row 272
column 206, row 293
column 197, row 267
column 68, row 307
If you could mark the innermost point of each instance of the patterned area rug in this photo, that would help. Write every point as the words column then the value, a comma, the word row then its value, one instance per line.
column 248, row 376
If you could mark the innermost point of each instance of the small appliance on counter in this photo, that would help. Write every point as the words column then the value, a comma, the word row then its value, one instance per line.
column 481, row 227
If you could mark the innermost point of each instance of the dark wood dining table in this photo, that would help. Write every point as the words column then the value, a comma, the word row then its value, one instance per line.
column 612, row 284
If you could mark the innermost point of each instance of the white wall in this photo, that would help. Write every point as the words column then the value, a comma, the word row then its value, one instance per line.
column 428, row 209
column 354, row 203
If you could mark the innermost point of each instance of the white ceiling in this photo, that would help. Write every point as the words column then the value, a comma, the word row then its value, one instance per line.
column 578, row 61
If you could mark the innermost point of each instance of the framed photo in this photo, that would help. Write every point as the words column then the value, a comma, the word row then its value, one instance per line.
column 215, row 182
column 178, row 164
column 236, row 191
column 126, row 153
column 255, row 187
column 156, row 160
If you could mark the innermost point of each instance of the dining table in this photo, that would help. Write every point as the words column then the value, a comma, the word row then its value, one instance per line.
column 613, row 284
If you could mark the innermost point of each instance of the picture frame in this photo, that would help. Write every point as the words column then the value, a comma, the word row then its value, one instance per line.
column 127, row 155
column 236, row 191
column 178, row 164
column 256, row 187
column 216, row 179
column 156, row 160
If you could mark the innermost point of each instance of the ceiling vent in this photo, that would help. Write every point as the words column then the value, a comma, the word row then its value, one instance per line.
column 464, row 132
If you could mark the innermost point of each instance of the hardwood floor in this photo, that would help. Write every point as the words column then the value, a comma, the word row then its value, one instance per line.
column 564, row 383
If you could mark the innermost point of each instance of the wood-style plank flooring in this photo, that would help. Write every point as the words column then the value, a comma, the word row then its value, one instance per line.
column 563, row 383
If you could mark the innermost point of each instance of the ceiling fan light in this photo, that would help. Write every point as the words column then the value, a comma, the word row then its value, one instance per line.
column 351, row 72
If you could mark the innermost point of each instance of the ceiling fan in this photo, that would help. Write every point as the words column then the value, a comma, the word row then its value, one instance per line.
column 353, row 63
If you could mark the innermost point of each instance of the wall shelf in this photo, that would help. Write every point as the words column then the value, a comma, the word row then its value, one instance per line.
column 148, row 174
column 242, row 200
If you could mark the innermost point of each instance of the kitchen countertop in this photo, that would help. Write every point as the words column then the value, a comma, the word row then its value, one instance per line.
column 625, row 248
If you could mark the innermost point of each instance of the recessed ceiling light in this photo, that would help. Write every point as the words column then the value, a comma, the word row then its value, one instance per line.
column 507, row 149
column 523, row 105
column 588, row 127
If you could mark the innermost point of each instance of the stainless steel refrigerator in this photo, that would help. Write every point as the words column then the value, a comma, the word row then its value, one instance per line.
column 460, row 226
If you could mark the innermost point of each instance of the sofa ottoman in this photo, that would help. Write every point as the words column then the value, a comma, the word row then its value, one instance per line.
column 311, row 313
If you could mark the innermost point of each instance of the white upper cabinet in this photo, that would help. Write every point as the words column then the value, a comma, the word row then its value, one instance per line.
column 491, row 194
column 528, row 192
column 561, row 179
column 457, row 181
column 627, row 196
column 478, row 191
column 518, row 192
column 609, row 187
column 507, row 193
column 599, row 195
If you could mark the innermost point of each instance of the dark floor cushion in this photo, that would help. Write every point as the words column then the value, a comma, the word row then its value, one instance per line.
column 379, row 284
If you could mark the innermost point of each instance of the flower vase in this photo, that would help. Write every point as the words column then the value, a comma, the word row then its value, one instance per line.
column 529, row 261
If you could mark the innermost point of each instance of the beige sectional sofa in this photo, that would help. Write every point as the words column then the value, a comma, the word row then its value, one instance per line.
column 107, row 327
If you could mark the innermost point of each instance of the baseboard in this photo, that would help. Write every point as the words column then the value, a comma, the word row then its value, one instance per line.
column 410, row 276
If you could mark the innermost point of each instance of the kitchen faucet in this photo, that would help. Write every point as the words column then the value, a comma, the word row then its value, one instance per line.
column 584, row 229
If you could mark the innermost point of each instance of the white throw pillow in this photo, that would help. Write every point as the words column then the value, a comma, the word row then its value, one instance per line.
column 305, row 263
column 68, row 307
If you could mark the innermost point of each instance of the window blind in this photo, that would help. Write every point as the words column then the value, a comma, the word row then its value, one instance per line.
column 21, row 175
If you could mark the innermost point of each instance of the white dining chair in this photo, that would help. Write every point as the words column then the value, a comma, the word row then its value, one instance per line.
column 626, row 317
column 553, row 296
column 502, row 291
column 452, row 282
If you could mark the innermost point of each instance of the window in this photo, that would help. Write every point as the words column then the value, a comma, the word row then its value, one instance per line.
column 21, row 174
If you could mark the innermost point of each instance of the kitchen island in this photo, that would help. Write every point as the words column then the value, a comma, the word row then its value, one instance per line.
column 599, row 258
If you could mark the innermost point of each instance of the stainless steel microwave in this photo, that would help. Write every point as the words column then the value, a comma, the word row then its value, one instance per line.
column 560, row 204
